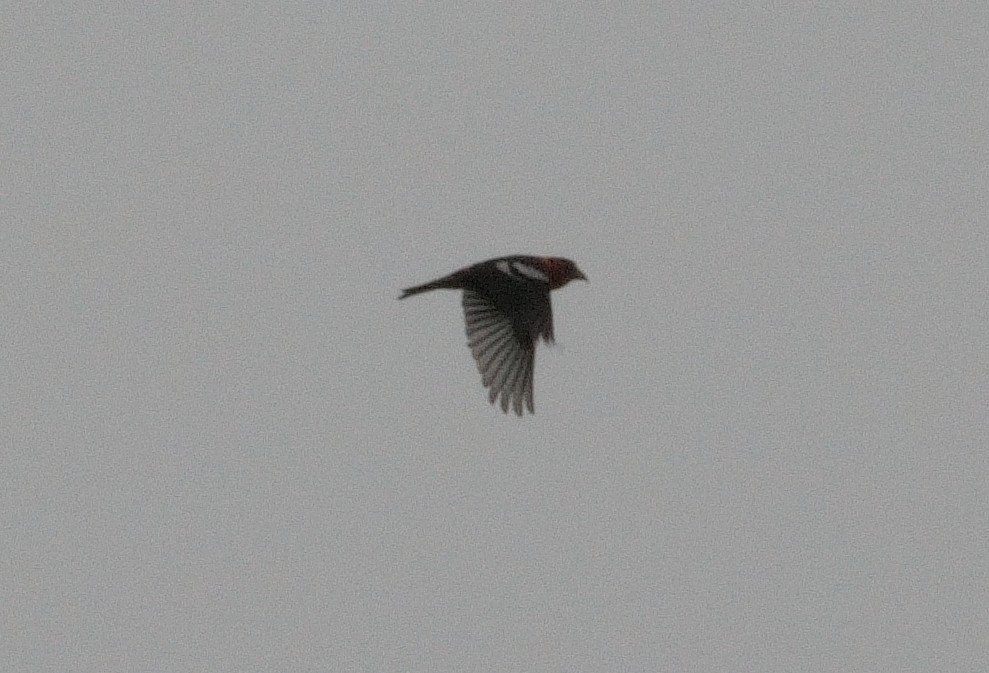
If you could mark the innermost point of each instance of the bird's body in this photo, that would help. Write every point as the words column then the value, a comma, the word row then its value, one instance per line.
column 507, row 309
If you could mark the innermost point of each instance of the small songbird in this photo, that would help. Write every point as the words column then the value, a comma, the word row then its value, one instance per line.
column 507, row 307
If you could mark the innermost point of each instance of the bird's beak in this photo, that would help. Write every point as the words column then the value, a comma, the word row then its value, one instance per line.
column 580, row 275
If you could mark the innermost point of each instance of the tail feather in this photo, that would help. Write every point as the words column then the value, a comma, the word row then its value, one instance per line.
column 409, row 291
column 451, row 282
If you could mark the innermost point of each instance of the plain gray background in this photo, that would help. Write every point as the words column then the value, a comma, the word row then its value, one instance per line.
column 760, row 444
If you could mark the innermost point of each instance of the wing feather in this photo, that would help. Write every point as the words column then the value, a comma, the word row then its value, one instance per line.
column 504, row 358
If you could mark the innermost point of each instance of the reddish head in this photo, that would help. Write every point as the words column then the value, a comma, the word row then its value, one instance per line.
column 561, row 271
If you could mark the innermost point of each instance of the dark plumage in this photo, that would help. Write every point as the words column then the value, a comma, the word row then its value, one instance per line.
column 507, row 309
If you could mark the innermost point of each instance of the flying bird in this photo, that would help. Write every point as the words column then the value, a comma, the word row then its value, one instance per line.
column 507, row 308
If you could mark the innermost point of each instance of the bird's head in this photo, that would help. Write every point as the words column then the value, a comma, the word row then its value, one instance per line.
column 561, row 271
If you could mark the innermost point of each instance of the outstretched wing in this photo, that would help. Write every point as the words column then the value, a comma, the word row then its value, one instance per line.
column 504, row 352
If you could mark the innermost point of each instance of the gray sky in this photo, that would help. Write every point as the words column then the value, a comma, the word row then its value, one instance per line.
column 760, row 444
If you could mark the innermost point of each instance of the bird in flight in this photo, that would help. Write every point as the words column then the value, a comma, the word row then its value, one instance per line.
column 507, row 308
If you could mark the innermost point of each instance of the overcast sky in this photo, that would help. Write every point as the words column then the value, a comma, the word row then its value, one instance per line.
column 759, row 445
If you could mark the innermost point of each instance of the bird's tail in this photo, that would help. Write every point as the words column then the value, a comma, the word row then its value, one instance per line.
column 409, row 291
column 452, row 281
